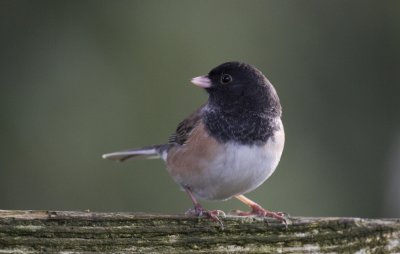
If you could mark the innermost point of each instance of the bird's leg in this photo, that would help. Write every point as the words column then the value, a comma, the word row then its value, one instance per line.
column 200, row 211
column 257, row 210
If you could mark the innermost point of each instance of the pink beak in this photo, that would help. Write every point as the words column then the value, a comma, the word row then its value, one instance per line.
column 202, row 81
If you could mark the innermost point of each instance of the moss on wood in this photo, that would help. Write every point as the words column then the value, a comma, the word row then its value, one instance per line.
column 55, row 231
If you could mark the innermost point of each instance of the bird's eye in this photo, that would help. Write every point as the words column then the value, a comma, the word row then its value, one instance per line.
column 226, row 78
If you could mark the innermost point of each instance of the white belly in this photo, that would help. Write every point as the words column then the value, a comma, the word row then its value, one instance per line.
column 238, row 170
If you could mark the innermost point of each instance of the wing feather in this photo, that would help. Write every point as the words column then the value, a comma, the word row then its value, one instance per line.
column 185, row 127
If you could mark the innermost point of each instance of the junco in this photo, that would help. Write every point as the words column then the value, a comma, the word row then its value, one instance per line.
column 227, row 147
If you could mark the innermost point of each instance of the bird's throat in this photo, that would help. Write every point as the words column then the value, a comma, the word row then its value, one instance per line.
column 243, row 127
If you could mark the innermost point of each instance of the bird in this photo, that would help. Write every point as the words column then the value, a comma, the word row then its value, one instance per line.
column 227, row 147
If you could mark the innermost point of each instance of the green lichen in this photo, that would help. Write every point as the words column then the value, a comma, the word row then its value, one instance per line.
column 128, row 232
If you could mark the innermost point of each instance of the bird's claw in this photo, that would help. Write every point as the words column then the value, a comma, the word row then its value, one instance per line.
column 261, row 212
column 213, row 215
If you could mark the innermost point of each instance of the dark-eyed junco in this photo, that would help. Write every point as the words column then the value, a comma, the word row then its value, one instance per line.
column 227, row 147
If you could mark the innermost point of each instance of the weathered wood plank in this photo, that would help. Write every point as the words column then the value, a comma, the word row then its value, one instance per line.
column 63, row 231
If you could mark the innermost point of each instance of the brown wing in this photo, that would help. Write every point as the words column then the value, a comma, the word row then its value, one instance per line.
column 185, row 127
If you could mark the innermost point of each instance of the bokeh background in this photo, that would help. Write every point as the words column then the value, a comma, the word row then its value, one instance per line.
column 81, row 78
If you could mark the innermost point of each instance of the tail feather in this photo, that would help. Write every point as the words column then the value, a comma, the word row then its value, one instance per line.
column 149, row 152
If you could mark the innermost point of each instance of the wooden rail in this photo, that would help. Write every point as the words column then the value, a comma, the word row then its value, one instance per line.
column 78, row 232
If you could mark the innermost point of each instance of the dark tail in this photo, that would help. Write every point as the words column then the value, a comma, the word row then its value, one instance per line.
column 148, row 152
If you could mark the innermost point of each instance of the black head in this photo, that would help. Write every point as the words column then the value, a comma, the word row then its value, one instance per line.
column 240, row 87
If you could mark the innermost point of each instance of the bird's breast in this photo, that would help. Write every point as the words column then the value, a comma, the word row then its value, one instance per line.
column 218, row 171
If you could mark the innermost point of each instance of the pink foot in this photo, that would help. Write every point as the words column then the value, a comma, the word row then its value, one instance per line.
column 257, row 210
column 199, row 211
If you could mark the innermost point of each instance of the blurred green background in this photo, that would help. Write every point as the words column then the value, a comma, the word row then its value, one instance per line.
column 81, row 78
